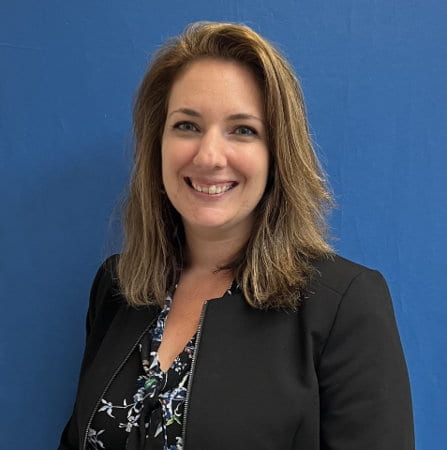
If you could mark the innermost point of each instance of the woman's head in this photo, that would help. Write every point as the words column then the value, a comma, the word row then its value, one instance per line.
column 215, row 157
column 289, row 223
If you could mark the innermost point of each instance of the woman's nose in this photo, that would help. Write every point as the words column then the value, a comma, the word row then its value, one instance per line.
column 211, row 152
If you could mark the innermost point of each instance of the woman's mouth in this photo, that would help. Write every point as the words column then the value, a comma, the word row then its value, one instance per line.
column 211, row 189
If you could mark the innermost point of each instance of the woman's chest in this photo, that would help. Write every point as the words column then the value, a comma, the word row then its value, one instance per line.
column 253, row 380
column 254, row 384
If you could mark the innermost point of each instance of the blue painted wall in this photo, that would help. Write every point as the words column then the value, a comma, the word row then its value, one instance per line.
column 374, row 76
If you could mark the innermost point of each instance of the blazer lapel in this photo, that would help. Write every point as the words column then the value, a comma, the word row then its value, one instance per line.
column 123, row 335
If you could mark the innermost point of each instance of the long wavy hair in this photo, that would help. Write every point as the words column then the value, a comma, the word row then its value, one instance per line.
column 290, row 229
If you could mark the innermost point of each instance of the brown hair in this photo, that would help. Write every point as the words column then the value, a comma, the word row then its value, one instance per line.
column 290, row 227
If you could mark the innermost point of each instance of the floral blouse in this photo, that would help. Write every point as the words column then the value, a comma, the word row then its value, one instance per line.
column 146, row 413
column 143, row 407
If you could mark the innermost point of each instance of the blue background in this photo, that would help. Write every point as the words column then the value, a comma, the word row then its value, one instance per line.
column 374, row 76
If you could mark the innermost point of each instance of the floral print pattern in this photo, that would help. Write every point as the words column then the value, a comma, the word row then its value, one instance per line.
column 151, row 416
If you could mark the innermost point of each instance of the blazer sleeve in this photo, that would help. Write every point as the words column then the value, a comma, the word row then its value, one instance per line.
column 365, row 401
column 99, row 316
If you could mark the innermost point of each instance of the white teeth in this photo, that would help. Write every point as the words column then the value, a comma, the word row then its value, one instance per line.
column 211, row 190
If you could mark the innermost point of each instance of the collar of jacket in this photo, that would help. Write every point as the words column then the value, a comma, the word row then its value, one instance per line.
column 123, row 335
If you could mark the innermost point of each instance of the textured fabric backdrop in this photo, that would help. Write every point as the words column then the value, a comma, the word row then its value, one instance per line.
column 373, row 75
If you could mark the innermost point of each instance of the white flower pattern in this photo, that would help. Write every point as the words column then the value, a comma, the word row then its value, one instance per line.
column 158, row 389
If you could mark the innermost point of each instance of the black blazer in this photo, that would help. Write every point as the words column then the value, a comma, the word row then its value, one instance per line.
column 330, row 376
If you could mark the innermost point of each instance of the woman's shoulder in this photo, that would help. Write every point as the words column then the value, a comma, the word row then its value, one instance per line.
column 109, row 265
column 104, row 292
column 348, row 306
column 341, row 287
column 106, row 280
column 338, row 274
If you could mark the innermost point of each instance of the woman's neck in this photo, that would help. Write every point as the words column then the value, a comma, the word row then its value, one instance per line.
column 207, row 253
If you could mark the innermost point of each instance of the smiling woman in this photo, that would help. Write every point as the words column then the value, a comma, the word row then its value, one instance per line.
column 214, row 148
column 227, row 322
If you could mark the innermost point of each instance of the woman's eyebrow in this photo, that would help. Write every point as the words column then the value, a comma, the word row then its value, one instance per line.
column 239, row 116
column 243, row 116
column 187, row 111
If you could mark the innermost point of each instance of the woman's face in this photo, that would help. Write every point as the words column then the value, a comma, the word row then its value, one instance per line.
column 214, row 147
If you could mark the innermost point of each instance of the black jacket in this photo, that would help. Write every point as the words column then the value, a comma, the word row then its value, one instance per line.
column 330, row 376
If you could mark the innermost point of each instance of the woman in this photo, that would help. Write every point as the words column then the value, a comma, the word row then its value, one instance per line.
column 227, row 321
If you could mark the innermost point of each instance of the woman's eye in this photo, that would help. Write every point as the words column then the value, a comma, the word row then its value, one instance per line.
column 245, row 131
column 185, row 126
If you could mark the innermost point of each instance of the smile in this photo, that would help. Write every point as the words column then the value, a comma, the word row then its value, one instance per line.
column 212, row 189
